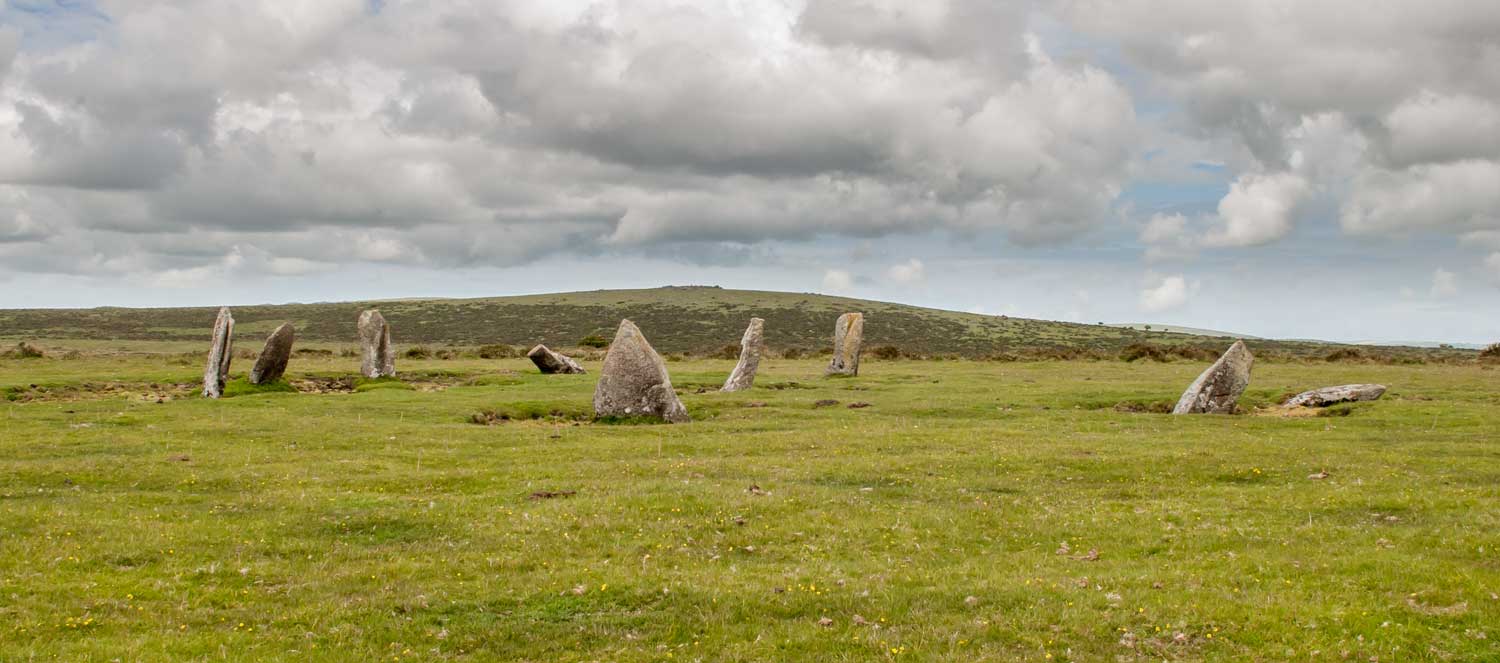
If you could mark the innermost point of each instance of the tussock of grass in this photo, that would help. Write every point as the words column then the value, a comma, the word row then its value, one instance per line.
column 362, row 384
column 242, row 387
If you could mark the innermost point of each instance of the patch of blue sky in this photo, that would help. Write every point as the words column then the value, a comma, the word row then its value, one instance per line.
column 51, row 24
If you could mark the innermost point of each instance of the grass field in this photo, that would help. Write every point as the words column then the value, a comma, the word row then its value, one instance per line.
column 973, row 511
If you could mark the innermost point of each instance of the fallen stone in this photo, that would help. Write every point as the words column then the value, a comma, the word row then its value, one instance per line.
column 634, row 380
column 1347, row 393
column 848, row 336
column 220, row 353
column 1219, row 387
column 377, row 358
column 553, row 362
column 743, row 376
column 271, row 364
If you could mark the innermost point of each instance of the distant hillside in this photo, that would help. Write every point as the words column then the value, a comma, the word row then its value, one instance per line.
column 675, row 319
column 1194, row 331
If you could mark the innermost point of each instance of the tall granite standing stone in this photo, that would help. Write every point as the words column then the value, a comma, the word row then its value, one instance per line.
column 219, row 355
column 634, row 380
column 548, row 361
column 848, row 336
column 743, row 376
column 271, row 364
column 1220, row 386
column 1344, row 393
column 377, row 357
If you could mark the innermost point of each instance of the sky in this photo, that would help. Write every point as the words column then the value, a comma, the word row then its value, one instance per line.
column 1279, row 168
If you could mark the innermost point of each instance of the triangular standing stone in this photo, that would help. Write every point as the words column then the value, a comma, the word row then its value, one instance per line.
column 634, row 380
column 1219, row 387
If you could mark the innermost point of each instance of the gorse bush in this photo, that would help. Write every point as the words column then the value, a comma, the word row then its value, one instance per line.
column 24, row 350
column 593, row 341
column 418, row 352
column 498, row 351
column 886, row 352
column 1490, row 352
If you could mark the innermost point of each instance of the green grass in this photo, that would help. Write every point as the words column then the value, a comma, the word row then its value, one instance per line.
column 243, row 387
column 386, row 526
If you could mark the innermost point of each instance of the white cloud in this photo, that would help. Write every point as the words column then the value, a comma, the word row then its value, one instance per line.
column 1492, row 267
column 911, row 271
column 1169, row 293
column 1167, row 236
column 1444, row 283
column 1458, row 196
column 837, row 280
column 1258, row 209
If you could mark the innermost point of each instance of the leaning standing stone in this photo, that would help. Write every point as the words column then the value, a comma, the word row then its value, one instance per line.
column 1347, row 393
column 848, row 335
column 271, row 364
column 549, row 362
column 219, row 355
column 634, row 380
column 378, row 360
column 743, row 376
column 1218, row 389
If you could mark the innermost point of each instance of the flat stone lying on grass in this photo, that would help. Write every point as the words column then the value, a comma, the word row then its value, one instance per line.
column 634, row 380
column 220, row 353
column 848, row 336
column 271, row 364
column 1345, row 393
column 377, row 358
column 1219, row 387
column 550, row 362
column 743, row 376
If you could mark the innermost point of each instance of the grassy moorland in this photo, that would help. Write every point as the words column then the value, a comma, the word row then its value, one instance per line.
column 679, row 319
column 973, row 511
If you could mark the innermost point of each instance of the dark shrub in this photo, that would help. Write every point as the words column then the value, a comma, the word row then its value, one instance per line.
column 1491, row 352
column 24, row 350
column 793, row 353
column 593, row 341
column 314, row 351
column 1345, row 354
column 1136, row 351
column 498, row 351
column 418, row 352
column 731, row 351
column 886, row 352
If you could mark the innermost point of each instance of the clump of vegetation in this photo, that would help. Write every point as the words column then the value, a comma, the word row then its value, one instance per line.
column 314, row 352
column 531, row 411
column 731, row 351
column 1490, row 352
column 418, row 352
column 886, row 352
column 362, row 385
column 1137, row 351
column 243, row 387
column 794, row 353
column 1345, row 355
column 24, row 350
column 593, row 341
column 498, row 351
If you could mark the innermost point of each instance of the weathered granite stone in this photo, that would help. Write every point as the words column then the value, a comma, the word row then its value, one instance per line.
column 1346, row 393
column 743, row 376
column 219, row 355
column 271, row 363
column 377, row 357
column 634, row 380
column 848, row 336
column 549, row 361
column 1220, row 386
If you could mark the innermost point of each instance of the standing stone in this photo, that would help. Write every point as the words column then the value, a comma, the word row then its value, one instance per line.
column 743, row 376
column 1347, row 393
column 634, row 380
column 1219, row 387
column 377, row 358
column 219, row 355
column 553, row 362
column 271, row 364
column 848, row 335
